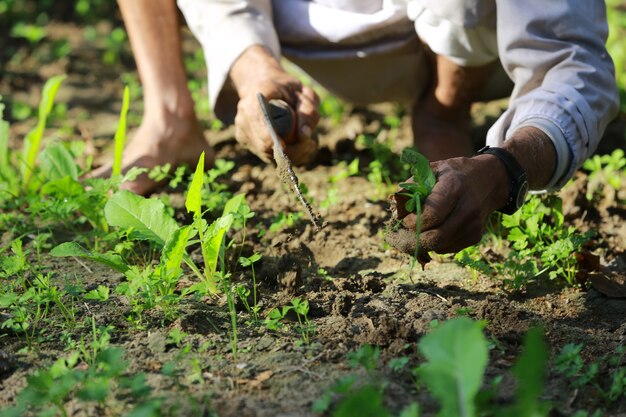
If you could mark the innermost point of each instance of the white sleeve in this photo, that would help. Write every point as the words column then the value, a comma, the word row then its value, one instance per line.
column 564, row 77
column 225, row 29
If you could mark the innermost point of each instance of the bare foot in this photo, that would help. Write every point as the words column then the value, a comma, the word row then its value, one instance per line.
column 441, row 133
column 178, row 142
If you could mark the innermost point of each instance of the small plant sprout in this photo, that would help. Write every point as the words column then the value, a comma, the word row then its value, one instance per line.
column 245, row 262
column 423, row 182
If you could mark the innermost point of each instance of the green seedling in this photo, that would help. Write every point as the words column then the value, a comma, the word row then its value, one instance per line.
column 245, row 262
column 285, row 220
column 99, row 294
column 605, row 172
column 423, row 182
column 274, row 320
column 581, row 375
column 539, row 243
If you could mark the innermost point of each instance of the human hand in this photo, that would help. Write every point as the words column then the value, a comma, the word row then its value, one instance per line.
column 258, row 72
column 455, row 213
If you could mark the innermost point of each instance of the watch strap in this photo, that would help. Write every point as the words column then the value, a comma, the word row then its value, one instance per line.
column 516, row 173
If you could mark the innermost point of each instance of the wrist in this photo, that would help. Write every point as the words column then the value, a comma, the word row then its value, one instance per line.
column 254, row 66
column 497, row 177
column 534, row 151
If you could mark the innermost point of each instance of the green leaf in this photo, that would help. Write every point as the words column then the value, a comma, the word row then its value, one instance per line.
column 213, row 240
column 74, row 249
column 57, row 162
column 456, row 354
column 193, row 203
column 32, row 141
column 174, row 251
column 147, row 218
column 420, row 168
column 233, row 204
column 120, row 136
column 100, row 294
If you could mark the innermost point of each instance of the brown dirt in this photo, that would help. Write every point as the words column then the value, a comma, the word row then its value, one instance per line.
column 368, row 294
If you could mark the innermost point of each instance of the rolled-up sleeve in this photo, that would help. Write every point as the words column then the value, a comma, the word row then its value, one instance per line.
column 225, row 29
column 554, row 51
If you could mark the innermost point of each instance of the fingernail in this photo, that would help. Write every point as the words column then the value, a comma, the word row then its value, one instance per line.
column 305, row 131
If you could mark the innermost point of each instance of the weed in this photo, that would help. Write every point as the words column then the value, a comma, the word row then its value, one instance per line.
column 417, row 191
column 606, row 172
column 539, row 243
column 275, row 317
column 570, row 364
column 245, row 262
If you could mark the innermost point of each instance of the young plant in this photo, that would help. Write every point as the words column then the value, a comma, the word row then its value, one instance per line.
column 274, row 320
column 423, row 182
column 245, row 262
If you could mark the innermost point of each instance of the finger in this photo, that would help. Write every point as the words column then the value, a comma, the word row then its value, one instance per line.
column 307, row 111
column 442, row 200
column 461, row 229
column 302, row 152
column 250, row 131
column 399, row 205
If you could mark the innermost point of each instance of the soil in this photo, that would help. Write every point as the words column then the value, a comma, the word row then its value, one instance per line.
column 360, row 290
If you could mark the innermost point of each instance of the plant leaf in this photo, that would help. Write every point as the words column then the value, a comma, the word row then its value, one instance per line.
column 120, row 136
column 233, row 204
column 456, row 354
column 57, row 162
column 213, row 240
column 175, row 251
column 74, row 249
column 32, row 141
column 147, row 218
column 420, row 169
column 193, row 203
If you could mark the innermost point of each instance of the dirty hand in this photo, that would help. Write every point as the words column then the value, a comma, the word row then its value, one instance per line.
column 454, row 215
column 257, row 71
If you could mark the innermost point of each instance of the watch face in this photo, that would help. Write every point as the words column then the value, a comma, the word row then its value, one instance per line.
column 521, row 195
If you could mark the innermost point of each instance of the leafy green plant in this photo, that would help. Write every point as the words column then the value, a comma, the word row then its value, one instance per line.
column 571, row 365
column 49, row 389
column 605, row 172
column 539, row 243
column 245, row 262
column 300, row 307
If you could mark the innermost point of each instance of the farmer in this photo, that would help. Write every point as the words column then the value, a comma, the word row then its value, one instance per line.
column 439, row 57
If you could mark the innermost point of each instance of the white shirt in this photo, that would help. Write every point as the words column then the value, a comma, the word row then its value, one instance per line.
column 553, row 51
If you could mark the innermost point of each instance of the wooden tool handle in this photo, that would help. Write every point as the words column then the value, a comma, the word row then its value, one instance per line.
column 283, row 119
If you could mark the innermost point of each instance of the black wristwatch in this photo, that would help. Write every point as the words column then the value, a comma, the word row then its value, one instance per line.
column 519, row 180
